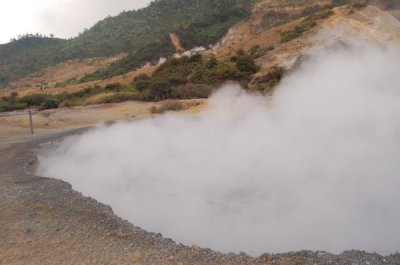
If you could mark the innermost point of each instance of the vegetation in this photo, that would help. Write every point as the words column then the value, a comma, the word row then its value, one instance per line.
column 143, row 34
column 359, row 4
column 176, row 78
column 69, row 82
column 257, row 51
column 269, row 81
column 305, row 24
column 26, row 55
column 176, row 75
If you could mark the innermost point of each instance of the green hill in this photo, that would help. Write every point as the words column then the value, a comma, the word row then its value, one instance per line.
column 26, row 55
column 143, row 34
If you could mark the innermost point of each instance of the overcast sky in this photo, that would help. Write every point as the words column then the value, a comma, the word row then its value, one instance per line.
column 63, row 18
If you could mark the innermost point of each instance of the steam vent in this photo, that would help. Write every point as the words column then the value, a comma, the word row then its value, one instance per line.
column 200, row 132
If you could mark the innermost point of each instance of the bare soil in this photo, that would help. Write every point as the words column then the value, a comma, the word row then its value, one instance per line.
column 44, row 221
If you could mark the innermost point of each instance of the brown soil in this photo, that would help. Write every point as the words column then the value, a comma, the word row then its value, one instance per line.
column 176, row 42
column 44, row 221
column 14, row 126
column 64, row 71
column 124, row 79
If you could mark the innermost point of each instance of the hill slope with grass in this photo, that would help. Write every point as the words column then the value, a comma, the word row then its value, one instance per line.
column 143, row 34
column 257, row 51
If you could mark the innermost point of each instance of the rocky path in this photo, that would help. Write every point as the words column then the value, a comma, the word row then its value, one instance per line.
column 43, row 221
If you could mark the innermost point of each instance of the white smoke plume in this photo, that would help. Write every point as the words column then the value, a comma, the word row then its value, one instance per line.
column 316, row 166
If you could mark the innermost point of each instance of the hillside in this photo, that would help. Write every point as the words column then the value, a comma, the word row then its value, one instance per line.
column 102, row 79
column 24, row 56
column 144, row 34
column 269, row 38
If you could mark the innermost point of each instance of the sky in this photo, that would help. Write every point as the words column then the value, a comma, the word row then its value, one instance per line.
column 63, row 18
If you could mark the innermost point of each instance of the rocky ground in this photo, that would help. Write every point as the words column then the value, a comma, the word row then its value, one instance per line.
column 44, row 221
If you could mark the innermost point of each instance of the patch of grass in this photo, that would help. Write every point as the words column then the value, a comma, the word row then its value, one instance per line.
column 306, row 24
column 69, row 82
column 269, row 81
column 118, row 97
column 257, row 51
column 274, row 18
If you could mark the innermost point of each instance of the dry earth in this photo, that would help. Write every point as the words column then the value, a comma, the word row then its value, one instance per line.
column 43, row 221
column 347, row 24
column 14, row 126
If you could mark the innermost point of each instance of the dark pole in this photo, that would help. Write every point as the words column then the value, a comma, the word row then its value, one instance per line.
column 30, row 121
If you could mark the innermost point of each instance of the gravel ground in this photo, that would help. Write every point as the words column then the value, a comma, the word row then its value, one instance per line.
column 44, row 221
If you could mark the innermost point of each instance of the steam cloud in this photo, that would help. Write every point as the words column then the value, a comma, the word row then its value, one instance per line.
column 316, row 166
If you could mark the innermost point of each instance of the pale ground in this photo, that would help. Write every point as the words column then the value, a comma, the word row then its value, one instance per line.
column 44, row 221
column 14, row 126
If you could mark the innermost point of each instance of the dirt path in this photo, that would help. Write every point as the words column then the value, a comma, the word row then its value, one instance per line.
column 14, row 126
column 43, row 221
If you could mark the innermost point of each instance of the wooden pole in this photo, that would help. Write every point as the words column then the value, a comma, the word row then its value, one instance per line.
column 30, row 122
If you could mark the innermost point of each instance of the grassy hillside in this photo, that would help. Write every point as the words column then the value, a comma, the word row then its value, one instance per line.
column 144, row 34
column 21, row 57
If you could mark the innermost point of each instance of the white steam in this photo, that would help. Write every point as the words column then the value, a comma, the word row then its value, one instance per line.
column 317, row 166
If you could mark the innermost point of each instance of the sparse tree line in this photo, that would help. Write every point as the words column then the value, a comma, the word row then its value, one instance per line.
column 30, row 35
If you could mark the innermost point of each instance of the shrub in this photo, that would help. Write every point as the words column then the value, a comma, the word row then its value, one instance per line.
column 113, row 87
column 256, row 51
column 176, row 80
column 33, row 100
column 190, row 91
column 270, row 80
column 246, row 64
column 141, row 85
column 49, row 103
column 118, row 97
column 157, row 91
column 41, row 101
column 212, row 62
column 141, row 77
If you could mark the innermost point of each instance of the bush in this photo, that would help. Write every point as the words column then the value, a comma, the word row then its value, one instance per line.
column 190, row 91
column 141, row 77
column 212, row 62
column 10, row 106
column 33, row 100
column 40, row 101
column 113, row 87
column 159, row 91
column 246, row 64
column 176, row 80
column 118, row 97
column 142, row 85
column 49, row 103
column 270, row 80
